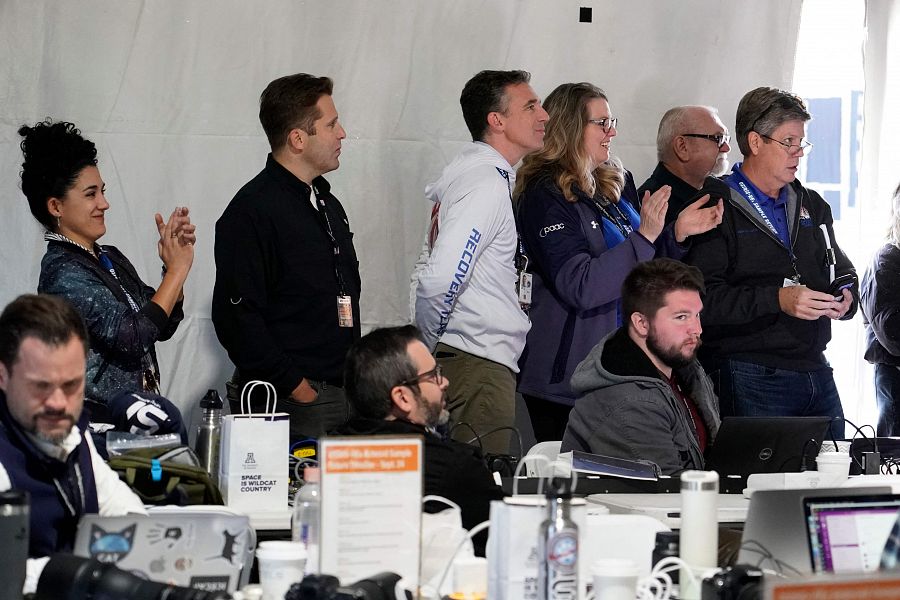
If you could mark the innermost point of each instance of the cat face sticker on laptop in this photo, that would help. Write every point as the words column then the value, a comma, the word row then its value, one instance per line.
column 111, row 546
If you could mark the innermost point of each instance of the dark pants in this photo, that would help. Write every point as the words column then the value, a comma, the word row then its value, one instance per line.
column 887, row 395
column 749, row 390
column 308, row 420
column 548, row 419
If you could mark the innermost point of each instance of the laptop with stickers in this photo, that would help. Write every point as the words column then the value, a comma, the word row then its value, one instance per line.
column 205, row 548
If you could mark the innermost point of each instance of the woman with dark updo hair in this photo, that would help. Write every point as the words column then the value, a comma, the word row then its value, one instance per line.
column 124, row 316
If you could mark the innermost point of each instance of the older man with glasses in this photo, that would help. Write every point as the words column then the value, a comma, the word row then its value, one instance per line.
column 775, row 276
column 692, row 147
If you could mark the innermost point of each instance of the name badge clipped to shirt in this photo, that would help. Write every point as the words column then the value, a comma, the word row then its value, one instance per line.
column 345, row 311
column 524, row 289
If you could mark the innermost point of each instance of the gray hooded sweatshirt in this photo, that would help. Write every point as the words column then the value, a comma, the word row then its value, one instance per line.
column 627, row 410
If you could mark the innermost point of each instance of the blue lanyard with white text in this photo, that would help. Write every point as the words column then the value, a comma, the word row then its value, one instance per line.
column 106, row 263
column 745, row 191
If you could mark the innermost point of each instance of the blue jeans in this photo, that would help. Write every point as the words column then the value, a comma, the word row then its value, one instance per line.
column 749, row 390
column 887, row 395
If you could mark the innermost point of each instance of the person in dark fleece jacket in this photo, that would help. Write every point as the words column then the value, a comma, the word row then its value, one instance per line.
column 769, row 270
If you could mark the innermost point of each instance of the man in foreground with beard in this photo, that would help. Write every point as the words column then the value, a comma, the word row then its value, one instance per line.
column 395, row 387
column 642, row 393
column 45, row 447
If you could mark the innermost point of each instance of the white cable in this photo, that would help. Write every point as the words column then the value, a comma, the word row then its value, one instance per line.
column 522, row 461
column 828, row 249
column 472, row 533
column 552, row 466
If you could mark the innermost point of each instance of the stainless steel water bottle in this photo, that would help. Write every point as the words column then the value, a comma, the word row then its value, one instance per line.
column 558, row 546
column 209, row 433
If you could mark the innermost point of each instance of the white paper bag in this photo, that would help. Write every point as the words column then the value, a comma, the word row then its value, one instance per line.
column 512, row 548
column 442, row 535
column 253, row 464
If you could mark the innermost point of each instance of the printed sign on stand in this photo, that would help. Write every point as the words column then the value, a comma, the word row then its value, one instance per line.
column 371, row 506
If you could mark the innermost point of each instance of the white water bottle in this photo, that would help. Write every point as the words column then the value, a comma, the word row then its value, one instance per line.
column 305, row 523
column 699, row 540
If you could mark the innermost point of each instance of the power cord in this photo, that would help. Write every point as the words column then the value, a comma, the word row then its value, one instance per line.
column 765, row 555
column 472, row 429
column 858, row 430
column 495, row 430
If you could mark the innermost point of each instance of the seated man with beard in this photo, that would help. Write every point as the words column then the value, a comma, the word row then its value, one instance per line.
column 642, row 393
column 395, row 387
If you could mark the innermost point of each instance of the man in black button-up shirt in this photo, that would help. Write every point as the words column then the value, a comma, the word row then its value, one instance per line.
column 286, row 299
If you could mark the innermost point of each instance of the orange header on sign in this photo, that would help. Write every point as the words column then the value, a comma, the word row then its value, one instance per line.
column 861, row 589
column 374, row 458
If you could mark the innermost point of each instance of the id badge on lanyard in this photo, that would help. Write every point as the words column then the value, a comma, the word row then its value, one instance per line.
column 345, row 311
column 344, row 302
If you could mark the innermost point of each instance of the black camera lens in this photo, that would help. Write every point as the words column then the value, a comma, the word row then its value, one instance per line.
column 68, row 577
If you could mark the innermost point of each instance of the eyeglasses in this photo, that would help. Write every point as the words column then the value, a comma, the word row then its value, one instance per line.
column 792, row 149
column 435, row 375
column 605, row 124
column 719, row 138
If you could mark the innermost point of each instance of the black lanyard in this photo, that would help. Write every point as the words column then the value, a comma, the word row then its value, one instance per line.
column 320, row 202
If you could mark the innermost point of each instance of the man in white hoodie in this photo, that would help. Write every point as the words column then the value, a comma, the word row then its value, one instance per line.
column 467, row 306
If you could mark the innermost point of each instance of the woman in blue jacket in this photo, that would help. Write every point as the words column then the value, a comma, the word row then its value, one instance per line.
column 583, row 228
column 124, row 316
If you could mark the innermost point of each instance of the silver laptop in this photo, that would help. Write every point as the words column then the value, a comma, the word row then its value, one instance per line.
column 209, row 550
column 775, row 533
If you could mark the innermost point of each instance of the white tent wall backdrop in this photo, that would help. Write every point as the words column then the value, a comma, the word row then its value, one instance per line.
column 169, row 93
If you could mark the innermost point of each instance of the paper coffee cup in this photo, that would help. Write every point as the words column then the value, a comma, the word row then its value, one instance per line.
column 614, row 578
column 833, row 467
column 281, row 565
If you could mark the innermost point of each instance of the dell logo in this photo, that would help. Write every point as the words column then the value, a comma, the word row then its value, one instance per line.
column 765, row 454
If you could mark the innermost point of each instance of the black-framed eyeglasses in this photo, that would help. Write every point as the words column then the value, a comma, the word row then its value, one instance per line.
column 803, row 145
column 606, row 123
column 719, row 138
column 435, row 375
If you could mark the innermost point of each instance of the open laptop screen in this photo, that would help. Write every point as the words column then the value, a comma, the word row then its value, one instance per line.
column 848, row 534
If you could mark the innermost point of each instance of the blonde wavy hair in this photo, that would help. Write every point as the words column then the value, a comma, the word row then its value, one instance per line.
column 563, row 152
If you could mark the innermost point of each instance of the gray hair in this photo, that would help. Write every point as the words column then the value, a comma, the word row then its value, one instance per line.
column 763, row 110
column 672, row 125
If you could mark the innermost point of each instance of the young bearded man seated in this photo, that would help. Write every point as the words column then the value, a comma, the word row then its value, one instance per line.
column 642, row 393
column 395, row 387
